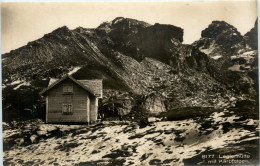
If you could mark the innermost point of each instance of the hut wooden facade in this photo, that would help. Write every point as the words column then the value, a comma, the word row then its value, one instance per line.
column 71, row 100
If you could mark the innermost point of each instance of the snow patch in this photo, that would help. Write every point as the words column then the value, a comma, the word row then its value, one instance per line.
column 74, row 70
column 249, row 53
column 234, row 68
column 129, row 142
column 89, row 31
column 118, row 20
column 22, row 84
column 52, row 80
column 217, row 57
column 251, row 122
column 206, row 51
column 16, row 82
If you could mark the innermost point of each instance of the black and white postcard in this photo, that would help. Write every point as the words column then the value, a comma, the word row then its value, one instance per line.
column 130, row 83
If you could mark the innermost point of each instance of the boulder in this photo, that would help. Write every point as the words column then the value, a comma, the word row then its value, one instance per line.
column 154, row 103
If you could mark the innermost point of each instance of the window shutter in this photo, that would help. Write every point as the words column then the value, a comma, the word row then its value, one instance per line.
column 70, row 108
column 64, row 108
column 70, row 89
column 67, row 108
column 64, row 89
column 67, row 89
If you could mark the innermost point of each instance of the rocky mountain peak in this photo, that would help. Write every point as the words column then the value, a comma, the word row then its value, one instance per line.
column 217, row 28
column 221, row 34
column 84, row 30
column 64, row 30
column 80, row 29
column 122, row 23
column 130, row 22
column 167, row 31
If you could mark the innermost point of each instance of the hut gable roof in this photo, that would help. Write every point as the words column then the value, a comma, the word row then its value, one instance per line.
column 95, row 85
column 88, row 85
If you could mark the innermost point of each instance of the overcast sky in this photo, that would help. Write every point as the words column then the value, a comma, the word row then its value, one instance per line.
column 24, row 22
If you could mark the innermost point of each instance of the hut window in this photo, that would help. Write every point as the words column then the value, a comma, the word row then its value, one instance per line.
column 67, row 89
column 67, row 109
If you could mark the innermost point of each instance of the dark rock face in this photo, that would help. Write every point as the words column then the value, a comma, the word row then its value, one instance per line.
column 229, row 56
column 160, row 42
column 222, row 33
column 135, row 57
column 165, row 32
column 139, row 39
column 217, row 28
column 252, row 36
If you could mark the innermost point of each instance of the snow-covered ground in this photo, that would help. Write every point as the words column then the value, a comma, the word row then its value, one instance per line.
column 125, row 143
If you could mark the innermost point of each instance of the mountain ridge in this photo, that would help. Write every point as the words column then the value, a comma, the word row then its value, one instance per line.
column 135, row 57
